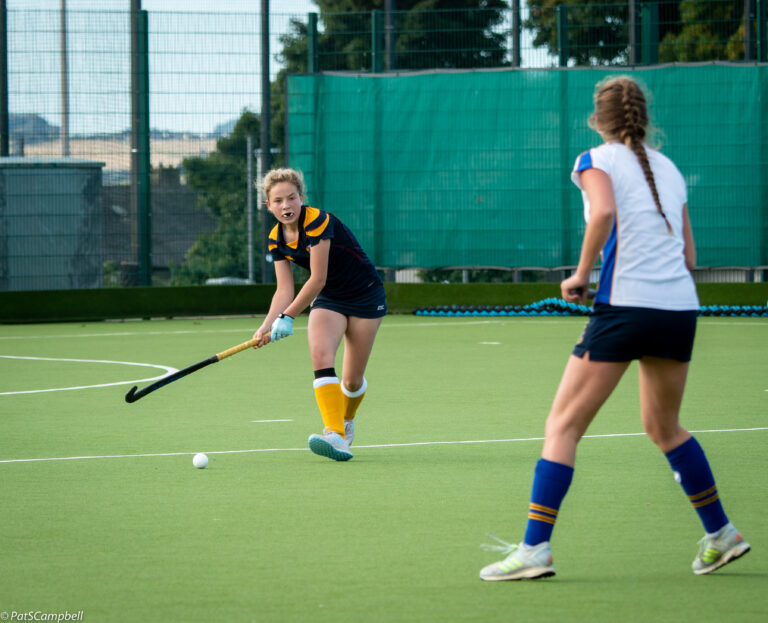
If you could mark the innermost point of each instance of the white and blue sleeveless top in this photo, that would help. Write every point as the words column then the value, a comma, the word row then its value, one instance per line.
column 643, row 264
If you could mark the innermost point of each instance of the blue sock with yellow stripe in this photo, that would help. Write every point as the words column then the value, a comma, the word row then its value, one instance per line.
column 689, row 460
column 550, row 484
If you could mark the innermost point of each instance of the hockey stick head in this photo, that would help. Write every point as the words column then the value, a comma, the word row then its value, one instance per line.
column 131, row 395
column 135, row 393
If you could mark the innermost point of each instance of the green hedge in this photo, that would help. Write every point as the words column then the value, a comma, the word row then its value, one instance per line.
column 404, row 298
column 82, row 305
column 77, row 305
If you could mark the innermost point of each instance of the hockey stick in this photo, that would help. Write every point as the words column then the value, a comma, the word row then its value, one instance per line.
column 591, row 292
column 135, row 393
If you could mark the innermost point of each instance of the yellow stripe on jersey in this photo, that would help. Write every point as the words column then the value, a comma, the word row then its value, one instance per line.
column 272, row 243
column 319, row 230
column 310, row 215
column 311, row 222
column 272, row 240
column 273, row 233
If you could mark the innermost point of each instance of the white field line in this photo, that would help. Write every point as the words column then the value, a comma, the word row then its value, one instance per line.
column 168, row 370
column 388, row 445
column 385, row 325
column 217, row 331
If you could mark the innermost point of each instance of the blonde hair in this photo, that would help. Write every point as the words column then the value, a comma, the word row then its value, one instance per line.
column 276, row 176
column 622, row 112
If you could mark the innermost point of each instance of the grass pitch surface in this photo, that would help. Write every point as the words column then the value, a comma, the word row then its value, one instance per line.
column 102, row 510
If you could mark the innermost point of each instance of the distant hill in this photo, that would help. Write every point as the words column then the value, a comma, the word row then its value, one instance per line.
column 224, row 129
column 32, row 128
column 35, row 129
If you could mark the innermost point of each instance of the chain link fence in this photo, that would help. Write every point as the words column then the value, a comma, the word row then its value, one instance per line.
column 75, row 211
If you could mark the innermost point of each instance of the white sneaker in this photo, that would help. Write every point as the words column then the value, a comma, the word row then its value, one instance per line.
column 725, row 546
column 349, row 431
column 524, row 562
column 330, row 444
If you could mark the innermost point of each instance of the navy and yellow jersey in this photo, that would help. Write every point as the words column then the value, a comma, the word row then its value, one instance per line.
column 350, row 272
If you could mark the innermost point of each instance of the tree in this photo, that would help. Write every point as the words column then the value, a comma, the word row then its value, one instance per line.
column 221, row 179
column 437, row 34
column 429, row 34
column 711, row 31
column 598, row 32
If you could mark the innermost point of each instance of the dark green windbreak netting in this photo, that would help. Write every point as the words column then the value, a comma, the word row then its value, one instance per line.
column 473, row 168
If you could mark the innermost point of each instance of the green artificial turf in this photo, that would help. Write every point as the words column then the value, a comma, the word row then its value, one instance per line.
column 120, row 525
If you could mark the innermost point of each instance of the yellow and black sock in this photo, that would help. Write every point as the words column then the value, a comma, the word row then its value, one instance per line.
column 352, row 399
column 330, row 400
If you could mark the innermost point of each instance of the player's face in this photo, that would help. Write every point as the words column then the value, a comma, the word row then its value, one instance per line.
column 285, row 202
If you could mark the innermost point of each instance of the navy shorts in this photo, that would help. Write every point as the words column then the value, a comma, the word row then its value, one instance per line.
column 372, row 304
column 627, row 333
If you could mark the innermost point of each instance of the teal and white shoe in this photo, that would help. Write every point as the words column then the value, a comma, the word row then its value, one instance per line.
column 349, row 431
column 524, row 562
column 330, row 444
column 717, row 550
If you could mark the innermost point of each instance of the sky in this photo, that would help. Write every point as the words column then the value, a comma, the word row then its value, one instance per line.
column 212, row 6
column 205, row 60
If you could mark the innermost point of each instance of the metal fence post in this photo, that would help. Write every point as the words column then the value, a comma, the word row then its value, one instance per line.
column 64, row 60
column 249, row 204
column 377, row 64
column 4, row 115
column 263, row 213
column 634, row 32
column 762, row 56
column 515, row 33
column 562, row 34
column 143, row 160
column 312, row 49
column 749, row 30
column 389, row 34
column 265, row 138
column 649, row 25
column 762, row 36
column 266, row 89
column 566, row 158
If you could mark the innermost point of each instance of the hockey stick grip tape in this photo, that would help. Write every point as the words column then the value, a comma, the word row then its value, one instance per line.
column 236, row 349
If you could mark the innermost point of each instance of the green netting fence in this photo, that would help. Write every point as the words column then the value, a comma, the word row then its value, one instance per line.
column 473, row 168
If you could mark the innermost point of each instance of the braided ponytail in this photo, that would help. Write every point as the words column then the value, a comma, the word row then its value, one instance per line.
column 623, row 113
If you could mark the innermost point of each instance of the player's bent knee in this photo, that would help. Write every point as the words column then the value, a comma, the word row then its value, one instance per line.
column 562, row 427
column 664, row 436
column 353, row 385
